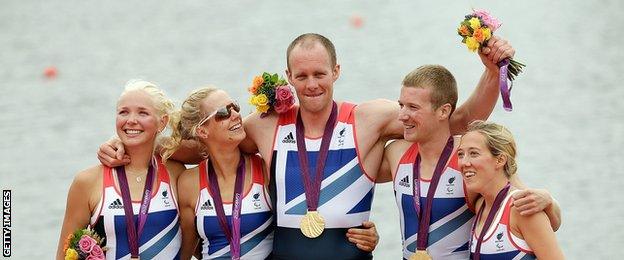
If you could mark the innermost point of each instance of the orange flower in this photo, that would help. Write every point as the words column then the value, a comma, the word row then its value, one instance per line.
column 478, row 35
column 66, row 244
column 257, row 81
column 463, row 30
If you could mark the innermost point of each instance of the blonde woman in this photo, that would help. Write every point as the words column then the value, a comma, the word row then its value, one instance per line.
column 224, row 200
column 487, row 155
column 108, row 199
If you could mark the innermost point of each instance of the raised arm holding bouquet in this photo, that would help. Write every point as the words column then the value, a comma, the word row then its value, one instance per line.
column 476, row 30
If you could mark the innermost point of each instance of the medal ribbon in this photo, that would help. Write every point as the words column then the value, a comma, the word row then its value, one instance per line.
column 232, row 235
column 424, row 219
column 504, row 89
column 488, row 221
column 313, row 190
column 133, row 233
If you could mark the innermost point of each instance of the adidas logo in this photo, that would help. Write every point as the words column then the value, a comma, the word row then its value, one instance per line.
column 116, row 204
column 207, row 205
column 289, row 139
column 404, row 182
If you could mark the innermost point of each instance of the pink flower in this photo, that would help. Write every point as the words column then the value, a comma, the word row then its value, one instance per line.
column 487, row 19
column 86, row 243
column 96, row 253
column 283, row 93
column 282, row 106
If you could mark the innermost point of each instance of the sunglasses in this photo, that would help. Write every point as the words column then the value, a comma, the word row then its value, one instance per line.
column 222, row 113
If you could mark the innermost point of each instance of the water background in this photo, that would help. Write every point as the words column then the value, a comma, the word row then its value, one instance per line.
column 567, row 105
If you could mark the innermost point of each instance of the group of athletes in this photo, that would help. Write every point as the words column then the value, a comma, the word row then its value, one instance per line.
column 299, row 184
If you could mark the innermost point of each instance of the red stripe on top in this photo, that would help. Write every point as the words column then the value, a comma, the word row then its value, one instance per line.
column 345, row 113
column 108, row 177
column 454, row 162
column 289, row 117
column 256, row 169
column 203, row 177
column 410, row 155
column 163, row 174
column 506, row 212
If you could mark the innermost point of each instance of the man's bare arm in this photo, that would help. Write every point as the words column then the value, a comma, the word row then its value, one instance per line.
column 481, row 102
column 530, row 201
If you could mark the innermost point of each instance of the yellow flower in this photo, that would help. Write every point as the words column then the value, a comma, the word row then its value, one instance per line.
column 487, row 33
column 262, row 100
column 472, row 43
column 252, row 100
column 475, row 23
column 71, row 254
column 263, row 108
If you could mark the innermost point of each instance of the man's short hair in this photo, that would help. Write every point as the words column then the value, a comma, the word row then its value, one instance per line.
column 441, row 81
column 308, row 40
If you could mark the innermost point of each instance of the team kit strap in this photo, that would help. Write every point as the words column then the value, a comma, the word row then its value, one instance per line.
column 134, row 233
column 498, row 201
column 424, row 217
column 233, row 234
column 313, row 224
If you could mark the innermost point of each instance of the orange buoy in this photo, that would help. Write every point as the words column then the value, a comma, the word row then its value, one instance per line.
column 50, row 72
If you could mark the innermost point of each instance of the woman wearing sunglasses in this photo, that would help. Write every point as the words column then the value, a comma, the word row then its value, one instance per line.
column 132, row 207
column 224, row 200
column 487, row 159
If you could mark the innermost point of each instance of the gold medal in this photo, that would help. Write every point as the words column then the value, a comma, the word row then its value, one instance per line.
column 420, row 255
column 312, row 224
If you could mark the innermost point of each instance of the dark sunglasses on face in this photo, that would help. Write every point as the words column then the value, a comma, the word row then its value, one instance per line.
column 222, row 113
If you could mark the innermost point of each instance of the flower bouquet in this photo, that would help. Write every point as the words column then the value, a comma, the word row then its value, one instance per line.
column 270, row 92
column 476, row 29
column 84, row 244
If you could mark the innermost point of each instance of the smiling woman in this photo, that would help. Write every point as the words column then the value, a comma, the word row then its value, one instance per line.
column 225, row 201
column 487, row 156
column 111, row 200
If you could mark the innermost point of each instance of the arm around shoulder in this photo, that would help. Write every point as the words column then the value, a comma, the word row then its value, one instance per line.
column 381, row 115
